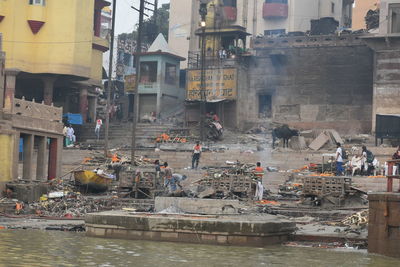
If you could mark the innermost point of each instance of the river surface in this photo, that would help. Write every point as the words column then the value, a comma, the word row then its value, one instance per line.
column 55, row 248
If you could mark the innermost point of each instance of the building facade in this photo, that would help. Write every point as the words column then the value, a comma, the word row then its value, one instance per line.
column 386, row 45
column 158, row 90
column 54, row 52
column 257, row 17
column 52, row 65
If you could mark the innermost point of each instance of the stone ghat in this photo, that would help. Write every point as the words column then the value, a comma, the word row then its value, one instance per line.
column 237, row 230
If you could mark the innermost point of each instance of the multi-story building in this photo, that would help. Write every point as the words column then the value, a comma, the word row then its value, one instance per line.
column 360, row 9
column 257, row 17
column 53, row 65
column 54, row 52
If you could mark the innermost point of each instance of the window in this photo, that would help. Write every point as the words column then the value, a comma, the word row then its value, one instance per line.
column 277, row 1
column 170, row 73
column 264, row 106
column 332, row 7
column 148, row 72
column 231, row 3
column 37, row 2
column 394, row 13
column 274, row 32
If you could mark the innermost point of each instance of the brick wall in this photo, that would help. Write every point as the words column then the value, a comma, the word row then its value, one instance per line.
column 313, row 85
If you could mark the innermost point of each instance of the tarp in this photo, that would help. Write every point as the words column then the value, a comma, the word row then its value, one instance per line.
column 73, row 118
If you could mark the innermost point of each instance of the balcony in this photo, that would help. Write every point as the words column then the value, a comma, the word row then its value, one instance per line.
column 99, row 43
column 275, row 10
column 230, row 13
column 32, row 116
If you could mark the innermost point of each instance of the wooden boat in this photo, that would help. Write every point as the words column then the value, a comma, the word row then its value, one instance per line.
column 92, row 182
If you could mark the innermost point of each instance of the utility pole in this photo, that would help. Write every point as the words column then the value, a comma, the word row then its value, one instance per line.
column 110, row 71
column 203, row 99
column 137, row 65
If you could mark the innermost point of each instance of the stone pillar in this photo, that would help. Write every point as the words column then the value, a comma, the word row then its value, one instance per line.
column 28, row 157
column 41, row 158
column 92, row 102
column 48, row 88
column 158, row 105
column 11, row 78
column 52, row 170
column 2, row 79
column 83, row 103
column 16, row 156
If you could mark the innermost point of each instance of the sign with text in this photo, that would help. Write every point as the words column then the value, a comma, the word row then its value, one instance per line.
column 130, row 81
column 219, row 84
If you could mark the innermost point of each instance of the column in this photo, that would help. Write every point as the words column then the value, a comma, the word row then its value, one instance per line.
column 48, row 88
column 41, row 158
column 16, row 156
column 28, row 157
column 53, row 157
column 92, row 102
column 158, row 104
column 83, row 103
column 11, row 78
column 2, row 80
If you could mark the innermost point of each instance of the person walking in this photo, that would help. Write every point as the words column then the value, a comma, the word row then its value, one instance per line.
column 259, row 173
column 339, row 160
column 99, row 123
column 196, row 155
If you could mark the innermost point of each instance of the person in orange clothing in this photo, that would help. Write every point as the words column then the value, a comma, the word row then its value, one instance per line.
column 259, row 172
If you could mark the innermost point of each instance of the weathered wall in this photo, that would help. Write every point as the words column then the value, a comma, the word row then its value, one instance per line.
column 314, row 82
column 384, row 224
column 386, row 75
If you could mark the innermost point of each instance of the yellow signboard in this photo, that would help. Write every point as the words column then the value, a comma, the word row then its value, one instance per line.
column 219, row 84
column 130, row 81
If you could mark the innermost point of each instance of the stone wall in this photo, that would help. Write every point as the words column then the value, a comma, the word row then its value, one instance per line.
column 386, row 75
column 314, row 82
column 384, row 224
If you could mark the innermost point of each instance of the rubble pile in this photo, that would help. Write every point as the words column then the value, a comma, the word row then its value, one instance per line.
column 72, row 205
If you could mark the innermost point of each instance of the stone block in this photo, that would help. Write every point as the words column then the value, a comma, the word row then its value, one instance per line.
column 195, row 205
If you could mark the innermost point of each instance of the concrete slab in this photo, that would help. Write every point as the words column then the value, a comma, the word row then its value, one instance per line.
column 197, row 205
column 225, row 230
column 319, row 142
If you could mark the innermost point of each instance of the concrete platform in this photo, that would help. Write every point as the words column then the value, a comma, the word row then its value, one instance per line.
column 222, row 230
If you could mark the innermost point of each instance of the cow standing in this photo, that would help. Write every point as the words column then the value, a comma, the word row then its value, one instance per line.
column 285, row 133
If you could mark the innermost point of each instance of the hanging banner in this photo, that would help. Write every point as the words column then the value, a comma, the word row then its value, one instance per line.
column 219, row 84
column 130, row 82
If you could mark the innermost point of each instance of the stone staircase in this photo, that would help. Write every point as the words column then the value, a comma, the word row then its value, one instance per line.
column 120, row 135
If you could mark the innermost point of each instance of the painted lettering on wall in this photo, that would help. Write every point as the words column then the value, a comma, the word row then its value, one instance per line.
column 219, row 84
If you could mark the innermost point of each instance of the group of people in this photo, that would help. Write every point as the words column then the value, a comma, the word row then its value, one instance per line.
column 366, row 158
column 171, row 180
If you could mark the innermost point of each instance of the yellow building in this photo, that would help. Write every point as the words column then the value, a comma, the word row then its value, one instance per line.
column 53, row 55
column 53, row 52
column 360, row 9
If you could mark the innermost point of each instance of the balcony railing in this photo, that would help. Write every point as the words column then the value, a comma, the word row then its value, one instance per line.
column 36, row 110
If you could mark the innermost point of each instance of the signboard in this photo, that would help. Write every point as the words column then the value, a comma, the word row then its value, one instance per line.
column 130, row 81
column 220, row 84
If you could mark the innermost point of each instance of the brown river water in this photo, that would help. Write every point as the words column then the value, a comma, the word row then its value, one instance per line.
column 55, row 248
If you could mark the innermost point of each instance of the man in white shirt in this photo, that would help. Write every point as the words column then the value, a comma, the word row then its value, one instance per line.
column 71, row 134
column 339, row 160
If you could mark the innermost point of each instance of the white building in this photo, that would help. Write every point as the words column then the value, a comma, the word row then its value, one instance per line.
column 259, row 17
